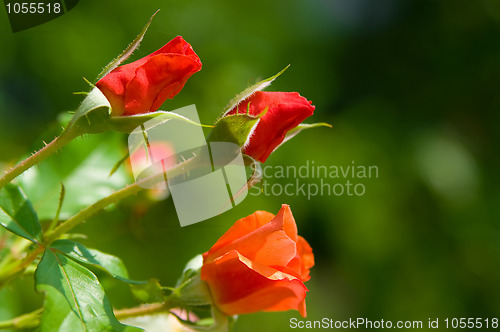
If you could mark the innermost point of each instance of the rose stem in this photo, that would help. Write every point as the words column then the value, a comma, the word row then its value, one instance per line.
column 56, row 144
column 146, row 309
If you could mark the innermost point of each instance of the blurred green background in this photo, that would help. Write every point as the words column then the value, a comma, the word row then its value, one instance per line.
column 409, row 86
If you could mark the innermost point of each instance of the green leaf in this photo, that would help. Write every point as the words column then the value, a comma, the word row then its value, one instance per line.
column 127, row 52
column 17, row 214
column 95, row 258
column 7, row 239
column 250, row 91
column 74, row 299
column 83, row 168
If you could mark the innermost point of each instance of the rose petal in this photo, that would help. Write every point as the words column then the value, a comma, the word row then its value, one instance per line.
column 239, row 285
column 299, row 266
column 305, row 253
column 289, row 224
column 113, row 87
column 162, row 73
column 269, row 244
column 243, row 227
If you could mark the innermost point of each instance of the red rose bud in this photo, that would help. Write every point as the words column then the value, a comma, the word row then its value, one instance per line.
column 143, row 85
column 285, row 111
column 259, row 264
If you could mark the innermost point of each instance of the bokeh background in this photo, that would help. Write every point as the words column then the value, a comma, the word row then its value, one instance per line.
column 409, row 86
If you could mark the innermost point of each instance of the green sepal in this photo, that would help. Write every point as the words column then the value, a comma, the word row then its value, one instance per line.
column 190, row 289
column 193, row 295
column 250, row 91
column 149, row 292
column 128, row 123
column 94, row 116
column 233, row 128
column 256, row 167
column 17, row 214
column 127, row 52
column 292, row 133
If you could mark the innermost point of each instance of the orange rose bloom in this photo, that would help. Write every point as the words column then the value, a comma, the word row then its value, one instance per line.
column 259, row 264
